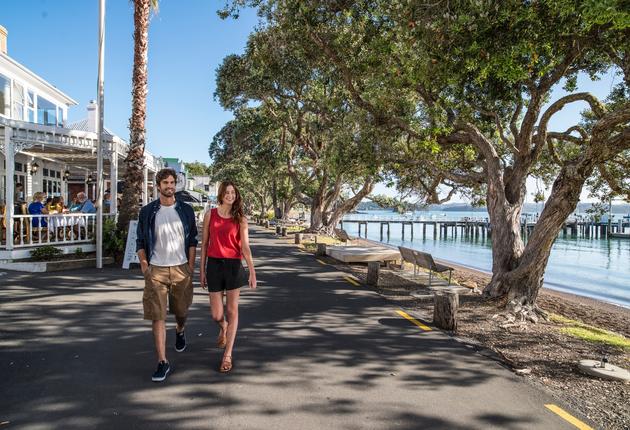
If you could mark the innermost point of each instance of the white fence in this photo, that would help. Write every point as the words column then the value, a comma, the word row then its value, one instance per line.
column 57, row 229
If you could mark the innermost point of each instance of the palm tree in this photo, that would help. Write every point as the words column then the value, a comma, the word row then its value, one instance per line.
column 134, row 161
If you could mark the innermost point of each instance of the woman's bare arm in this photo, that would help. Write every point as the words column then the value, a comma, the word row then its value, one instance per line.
column 204, row 248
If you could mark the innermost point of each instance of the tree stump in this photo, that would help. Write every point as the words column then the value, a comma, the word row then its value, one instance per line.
column 445, row 310
column 298, row 238
column 283, row 231
column 321, row 250
column 374, row 267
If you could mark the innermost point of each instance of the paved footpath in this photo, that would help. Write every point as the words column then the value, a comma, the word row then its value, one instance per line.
column 313, row 352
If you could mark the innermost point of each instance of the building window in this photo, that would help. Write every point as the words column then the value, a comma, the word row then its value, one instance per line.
column 52, row 186
column 5, row 95
column 30, row 106
column 46, row 112
column 18, row 101
column 59, row 117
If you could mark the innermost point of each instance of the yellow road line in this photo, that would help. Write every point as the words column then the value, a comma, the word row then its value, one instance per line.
column 413, row 320
column 321, row 262
column 568, row 417
column 352, row 281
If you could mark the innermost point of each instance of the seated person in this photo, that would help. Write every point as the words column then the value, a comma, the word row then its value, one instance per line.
column 107, row 202
column 37, row 207
column 86, row 207
column 74, row 205
column 55, row 206
column 62, row 205
column 18, row 198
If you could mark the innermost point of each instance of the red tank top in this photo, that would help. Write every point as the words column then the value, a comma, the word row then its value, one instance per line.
column 225, row 237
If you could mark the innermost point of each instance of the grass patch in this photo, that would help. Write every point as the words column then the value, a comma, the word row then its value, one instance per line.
column 311, row 246
column 590, row 333
column 562, row 320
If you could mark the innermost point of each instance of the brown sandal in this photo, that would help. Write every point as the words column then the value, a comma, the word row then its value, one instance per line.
column 226, row 364
column 222, row 339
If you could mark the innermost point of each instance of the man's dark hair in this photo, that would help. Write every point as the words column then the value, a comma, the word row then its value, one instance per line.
column 165, row 173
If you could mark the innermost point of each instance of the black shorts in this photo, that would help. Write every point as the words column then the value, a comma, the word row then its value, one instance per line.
column 224, row 274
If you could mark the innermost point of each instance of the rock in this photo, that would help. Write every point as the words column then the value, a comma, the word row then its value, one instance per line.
column 604, row 371
column 470, row 284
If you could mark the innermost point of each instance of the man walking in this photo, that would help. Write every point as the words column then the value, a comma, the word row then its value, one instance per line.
column 166, row 245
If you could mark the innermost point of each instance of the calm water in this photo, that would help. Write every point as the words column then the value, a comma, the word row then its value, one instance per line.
column 598, row 268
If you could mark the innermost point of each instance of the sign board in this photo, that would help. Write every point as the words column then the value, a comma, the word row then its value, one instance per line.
column 130, row 248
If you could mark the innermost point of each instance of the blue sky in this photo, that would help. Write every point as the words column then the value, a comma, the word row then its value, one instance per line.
column 187, row 42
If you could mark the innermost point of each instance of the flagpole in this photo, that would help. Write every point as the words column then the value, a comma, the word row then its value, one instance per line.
column 99, row 129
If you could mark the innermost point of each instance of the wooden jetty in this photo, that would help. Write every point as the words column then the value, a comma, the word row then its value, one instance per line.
column 617, row 231
column 441, row 229
column 481, row 229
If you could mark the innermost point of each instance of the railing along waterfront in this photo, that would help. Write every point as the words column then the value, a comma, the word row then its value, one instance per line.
column 53, row 229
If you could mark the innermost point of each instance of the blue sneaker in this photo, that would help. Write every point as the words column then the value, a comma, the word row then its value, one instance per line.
column 163, row 369
column 180, row 341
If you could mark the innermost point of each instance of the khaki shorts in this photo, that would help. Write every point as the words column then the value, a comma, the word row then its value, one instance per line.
column 162, row 284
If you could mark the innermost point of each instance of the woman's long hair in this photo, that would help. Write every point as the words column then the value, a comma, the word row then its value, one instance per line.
column 237, row 206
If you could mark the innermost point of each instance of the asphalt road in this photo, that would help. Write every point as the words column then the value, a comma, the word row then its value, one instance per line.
column 313, row 352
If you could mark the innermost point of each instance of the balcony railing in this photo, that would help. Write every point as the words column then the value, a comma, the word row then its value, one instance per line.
column 55, row 229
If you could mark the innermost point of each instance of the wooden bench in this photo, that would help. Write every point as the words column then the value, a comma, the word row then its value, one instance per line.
column 343, row 236
column 425, row 260
column 407, row 256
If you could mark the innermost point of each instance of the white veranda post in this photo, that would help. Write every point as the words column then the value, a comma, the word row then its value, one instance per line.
column 113, row 187
column 9, row 154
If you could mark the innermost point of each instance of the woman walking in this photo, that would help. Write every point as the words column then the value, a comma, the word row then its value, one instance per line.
column 225, row 243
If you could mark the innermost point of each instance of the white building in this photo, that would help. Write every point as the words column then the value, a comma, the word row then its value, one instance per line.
column 41, row 152
column 205, row 184
column 180, row 168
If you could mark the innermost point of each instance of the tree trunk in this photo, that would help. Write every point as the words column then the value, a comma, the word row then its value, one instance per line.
column 287, row 205
column 134, row 161
column 274, row 196
column 507, row 245
column 445, row 306
column 316, row 216
column 317, row 206
column 349, row 205
column 522, row 283
column 263, row 208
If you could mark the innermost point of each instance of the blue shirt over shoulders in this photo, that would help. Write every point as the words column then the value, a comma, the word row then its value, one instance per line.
column 88, row 207
column 35, row 208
